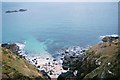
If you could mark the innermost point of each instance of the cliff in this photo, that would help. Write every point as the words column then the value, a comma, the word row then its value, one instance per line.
column 100, row 62
column 16, row 68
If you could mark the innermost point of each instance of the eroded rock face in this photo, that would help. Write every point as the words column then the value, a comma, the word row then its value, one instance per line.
column 100, row 62
column 72, row 59
column 13, row 47
column 110, row 38
column 71, row 62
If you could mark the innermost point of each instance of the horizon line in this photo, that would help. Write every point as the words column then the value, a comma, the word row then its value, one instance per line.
column 60, row 1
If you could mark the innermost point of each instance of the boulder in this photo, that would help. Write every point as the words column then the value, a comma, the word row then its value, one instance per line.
column 66, row 76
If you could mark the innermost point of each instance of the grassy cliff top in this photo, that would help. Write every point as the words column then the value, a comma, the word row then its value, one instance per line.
column 18, row 68
column 102, row 60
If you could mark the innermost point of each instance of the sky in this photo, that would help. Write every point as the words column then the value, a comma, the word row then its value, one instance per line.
column 60, row 0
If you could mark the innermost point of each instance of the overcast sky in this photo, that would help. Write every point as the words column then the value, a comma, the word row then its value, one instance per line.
column 60, row 0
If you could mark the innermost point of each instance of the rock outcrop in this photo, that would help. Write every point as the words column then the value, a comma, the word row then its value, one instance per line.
column 16, row 68
column 100, row 62
column 110, row 38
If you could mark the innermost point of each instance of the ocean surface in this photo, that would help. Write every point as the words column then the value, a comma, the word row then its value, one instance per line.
column 47, row 27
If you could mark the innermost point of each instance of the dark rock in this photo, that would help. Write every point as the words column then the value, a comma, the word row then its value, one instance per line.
column 65, row 67
column 47, row 58
column 54, row 59
column 45, row 75
column 63, row 54
column 22, row 10
column 72, row 56
column 66, row 51
column 11, row 11
column 49, row 63
column 5, row 45
column 61, row 58
column 35, row 63
column 66, row 76
column 38, row 66
column 109, row 39
column 83, row 50
column 51, row 73
column 13, row 47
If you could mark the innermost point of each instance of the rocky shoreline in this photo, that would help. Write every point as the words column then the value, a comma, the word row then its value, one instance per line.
column 52, row 66
column 68, row 61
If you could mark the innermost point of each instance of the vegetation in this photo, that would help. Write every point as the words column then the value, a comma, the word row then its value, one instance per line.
column 16, row 68
column 100, row 62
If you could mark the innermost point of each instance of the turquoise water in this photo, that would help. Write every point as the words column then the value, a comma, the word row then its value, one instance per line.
column 48, row 27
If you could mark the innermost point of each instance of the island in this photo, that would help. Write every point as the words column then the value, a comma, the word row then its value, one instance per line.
column 12, row 11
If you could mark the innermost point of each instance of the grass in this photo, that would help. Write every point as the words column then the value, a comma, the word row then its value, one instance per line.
column 105, row 53
column 14, row 66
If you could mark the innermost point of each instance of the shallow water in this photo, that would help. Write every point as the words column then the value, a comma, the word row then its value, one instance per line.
column 47, row 27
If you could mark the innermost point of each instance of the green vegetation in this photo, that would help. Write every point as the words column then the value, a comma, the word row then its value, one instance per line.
column 4, row 51
column 16, row 68
column 102, row 61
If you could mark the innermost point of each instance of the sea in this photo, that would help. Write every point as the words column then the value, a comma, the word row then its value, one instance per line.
column 47, row 27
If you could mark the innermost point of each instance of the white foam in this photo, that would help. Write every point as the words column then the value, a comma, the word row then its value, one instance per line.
column 113, row 35
column 21, row 46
